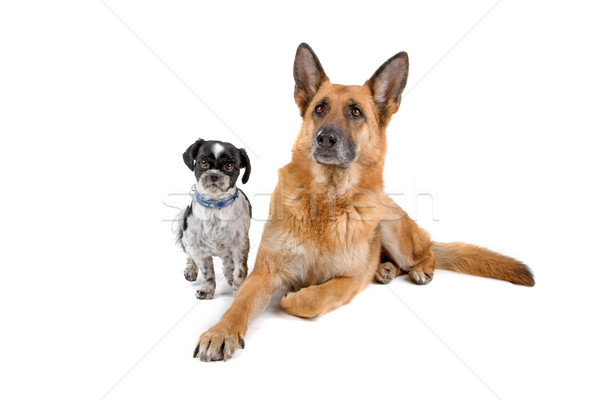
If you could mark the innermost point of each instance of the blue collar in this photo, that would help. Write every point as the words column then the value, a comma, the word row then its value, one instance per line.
column 215, row 204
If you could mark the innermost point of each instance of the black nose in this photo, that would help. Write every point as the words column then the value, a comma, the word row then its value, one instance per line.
column 327, row 138
column 214, row 177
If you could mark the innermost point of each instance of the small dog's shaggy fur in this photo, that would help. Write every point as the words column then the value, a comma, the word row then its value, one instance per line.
column 217, row 221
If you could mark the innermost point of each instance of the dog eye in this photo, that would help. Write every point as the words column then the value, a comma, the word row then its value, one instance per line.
column 228, row 167
column 203, row 164
column 356, row 112
column 319, row 109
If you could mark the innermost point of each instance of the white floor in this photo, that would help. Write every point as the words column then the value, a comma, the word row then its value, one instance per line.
column 495, row 144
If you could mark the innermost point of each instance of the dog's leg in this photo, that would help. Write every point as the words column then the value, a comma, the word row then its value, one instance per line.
column 320, row 299
column 191, row 270
column 240, row 271
column 207, row 289
column 204, row 263
column 386, row 272
column 221, row 341
column 422, row 272
column 235, row 267
column 228, row 268
column 406, row 244
column 240, row 266
column 315, row 300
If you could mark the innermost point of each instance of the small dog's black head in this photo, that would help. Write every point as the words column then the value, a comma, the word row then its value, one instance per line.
column 216, row 165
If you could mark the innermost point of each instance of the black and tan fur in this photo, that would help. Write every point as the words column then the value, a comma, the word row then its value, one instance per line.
column 332, row 230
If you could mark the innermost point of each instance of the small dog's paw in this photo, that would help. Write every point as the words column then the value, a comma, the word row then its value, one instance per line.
column 420, row 276
column 191, row 272
column 204, row 294
column 190, row 275
column 386, row 272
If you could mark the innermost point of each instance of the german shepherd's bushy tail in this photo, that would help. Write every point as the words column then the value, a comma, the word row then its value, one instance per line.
column 474, row 260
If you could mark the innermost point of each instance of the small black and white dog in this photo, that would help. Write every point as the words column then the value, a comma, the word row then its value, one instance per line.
column 218, row 220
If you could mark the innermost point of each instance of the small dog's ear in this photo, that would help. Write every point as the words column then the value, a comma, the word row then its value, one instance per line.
column 387, row 84
column 246, row 165
column 308, row 74
column 189, row 156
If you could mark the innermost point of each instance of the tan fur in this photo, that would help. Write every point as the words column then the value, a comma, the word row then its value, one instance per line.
column 474, row 260
column 332, row 230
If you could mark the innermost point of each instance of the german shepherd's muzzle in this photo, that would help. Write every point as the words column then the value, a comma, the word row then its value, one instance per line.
column 332, row 147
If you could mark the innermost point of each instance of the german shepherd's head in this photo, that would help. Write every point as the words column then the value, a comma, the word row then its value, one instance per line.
column 344, row 125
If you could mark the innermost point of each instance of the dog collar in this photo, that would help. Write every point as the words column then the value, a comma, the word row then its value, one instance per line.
column 215, row 204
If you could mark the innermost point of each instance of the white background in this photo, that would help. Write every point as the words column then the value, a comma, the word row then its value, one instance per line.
column 498, row 128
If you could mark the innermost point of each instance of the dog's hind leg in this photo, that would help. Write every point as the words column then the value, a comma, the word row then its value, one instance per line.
column 386, row 272
column 406, row 244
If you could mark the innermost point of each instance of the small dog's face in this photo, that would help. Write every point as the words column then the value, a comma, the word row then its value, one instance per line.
column 216, row 165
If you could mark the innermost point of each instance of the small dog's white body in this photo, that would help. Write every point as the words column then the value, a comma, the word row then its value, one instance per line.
column 217, row 229
column 216, row 232
column 215, row 226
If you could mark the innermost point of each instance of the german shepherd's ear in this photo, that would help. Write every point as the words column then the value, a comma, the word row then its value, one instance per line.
column 245, row 165
column 308, row 74
column 189, row 156
column 387, row 84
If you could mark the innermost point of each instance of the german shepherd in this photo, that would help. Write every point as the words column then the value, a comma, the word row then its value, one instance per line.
column 331, row 229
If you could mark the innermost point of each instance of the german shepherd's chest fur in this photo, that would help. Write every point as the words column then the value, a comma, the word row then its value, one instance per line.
column 324, row 229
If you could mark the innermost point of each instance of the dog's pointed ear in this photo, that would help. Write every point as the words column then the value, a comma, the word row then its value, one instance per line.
column 189, row 156
column 308, row 74
column 245, row 165
column 387, row 84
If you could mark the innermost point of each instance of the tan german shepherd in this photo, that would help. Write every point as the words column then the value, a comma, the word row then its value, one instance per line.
column 331, row 228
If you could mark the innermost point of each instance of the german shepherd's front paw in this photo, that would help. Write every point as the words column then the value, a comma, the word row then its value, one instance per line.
column 299, row 304
column 218, row 343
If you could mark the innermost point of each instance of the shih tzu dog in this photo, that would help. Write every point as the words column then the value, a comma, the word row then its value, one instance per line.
column 217, row 221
